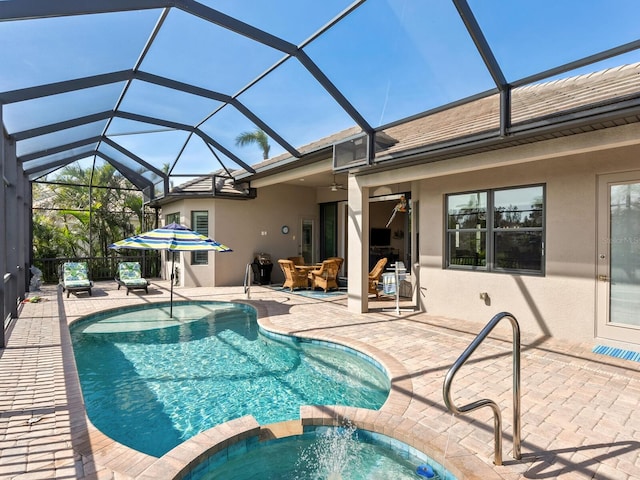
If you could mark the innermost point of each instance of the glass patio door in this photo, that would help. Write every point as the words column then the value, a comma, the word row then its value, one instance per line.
column 618, row 262
column 306, row 240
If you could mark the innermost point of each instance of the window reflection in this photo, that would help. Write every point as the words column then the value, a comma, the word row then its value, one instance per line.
column 518, row 250
column 520, row 207
column 468, row 248
column 497, row 229
column 625, row 233
column 468, row 210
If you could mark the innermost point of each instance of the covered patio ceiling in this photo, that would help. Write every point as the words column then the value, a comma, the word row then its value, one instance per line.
column 162, row 88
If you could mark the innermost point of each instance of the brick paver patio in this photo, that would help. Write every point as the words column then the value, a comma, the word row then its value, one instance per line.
column 578, row 408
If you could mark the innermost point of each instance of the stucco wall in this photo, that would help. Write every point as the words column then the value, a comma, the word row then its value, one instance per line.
column 248, row 227
column 253, row 226
column 560, row 303
column 192, row 275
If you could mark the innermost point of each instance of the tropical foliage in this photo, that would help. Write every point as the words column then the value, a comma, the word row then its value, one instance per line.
column 81, row 221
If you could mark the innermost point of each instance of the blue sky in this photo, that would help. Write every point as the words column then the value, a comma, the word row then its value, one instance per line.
column 390, row 59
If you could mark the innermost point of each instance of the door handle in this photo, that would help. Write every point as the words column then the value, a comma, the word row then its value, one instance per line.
column 603, row 278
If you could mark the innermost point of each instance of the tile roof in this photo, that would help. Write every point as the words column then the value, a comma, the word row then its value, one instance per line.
column 570, row 93
column 530, row 104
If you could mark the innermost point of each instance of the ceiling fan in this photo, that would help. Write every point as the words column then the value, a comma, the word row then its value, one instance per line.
column 334, row 187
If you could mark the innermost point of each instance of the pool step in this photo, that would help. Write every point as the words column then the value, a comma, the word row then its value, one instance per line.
column 280, row 430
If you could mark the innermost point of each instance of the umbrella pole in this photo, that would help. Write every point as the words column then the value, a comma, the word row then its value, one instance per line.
column 173, row 259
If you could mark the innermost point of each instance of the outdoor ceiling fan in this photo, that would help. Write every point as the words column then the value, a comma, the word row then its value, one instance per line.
column 334, row 187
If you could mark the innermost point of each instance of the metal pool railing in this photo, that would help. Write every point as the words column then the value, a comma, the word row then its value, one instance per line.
column 497, row 419
column 247, row 281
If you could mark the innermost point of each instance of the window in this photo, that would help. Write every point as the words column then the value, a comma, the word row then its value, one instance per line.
column 171, row 218
column 200, row 223
column 496, row 230
column 328, row 230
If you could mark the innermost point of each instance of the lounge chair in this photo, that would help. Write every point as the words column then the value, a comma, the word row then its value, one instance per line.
column 75, row 278
column 293, row 278
column 130, row 276
column 326, row 276
column 374, row 276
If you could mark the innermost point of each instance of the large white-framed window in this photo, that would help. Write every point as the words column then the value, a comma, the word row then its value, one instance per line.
column 497, row 230
column 200, row 224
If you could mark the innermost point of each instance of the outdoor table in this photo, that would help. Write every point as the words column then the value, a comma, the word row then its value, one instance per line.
column 306, row 268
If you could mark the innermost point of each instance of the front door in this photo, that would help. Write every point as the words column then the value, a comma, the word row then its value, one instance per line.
column 618, row 262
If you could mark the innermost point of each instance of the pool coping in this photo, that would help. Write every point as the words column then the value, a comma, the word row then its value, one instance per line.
column 388, row 420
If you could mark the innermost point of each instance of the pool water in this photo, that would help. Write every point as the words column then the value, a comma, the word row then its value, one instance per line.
column 151, row 382
column 324, row 453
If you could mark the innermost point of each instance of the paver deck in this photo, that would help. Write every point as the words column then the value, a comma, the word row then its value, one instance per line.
column 579, row 416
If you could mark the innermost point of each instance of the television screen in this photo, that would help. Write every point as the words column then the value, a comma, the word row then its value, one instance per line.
column 380, row 237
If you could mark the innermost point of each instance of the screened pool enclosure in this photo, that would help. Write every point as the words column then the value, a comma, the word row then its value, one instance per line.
column 162, row 90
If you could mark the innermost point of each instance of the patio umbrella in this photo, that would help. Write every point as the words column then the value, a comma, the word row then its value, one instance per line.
column 173, row 238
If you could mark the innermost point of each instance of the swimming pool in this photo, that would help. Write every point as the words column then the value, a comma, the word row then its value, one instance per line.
column 150, row 381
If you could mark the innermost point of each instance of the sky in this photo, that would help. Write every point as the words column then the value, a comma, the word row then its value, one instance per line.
column 389, row 59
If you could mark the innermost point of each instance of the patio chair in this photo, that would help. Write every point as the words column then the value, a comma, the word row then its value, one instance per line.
column 338, row 260
column 375, row 274
column 293, row 278
column 297, row 260
column 130, row 276
column 75, row 278
column 326, row 277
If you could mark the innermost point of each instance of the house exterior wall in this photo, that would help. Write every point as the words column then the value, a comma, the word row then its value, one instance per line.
column 562, row 303
column 192, row 275
column 256, row 227
column 247, row 227
column 559, row 303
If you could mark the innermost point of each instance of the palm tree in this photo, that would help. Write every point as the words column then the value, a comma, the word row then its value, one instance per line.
column 259, row 137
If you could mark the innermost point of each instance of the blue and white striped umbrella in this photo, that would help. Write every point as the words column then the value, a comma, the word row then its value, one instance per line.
column 174, row 238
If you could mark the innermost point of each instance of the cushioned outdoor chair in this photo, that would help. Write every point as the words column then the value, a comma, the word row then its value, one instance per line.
column 375, row 274
column 130, row 276
column 293, row 278
column 326, row 277
column 75, row 278
column 338, row 260
column 297, row 260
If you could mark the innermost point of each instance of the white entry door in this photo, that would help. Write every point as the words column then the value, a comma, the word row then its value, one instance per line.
column 618, row 262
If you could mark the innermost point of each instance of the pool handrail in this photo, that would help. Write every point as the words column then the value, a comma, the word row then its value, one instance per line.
column 247, row 281
column 497, row 419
